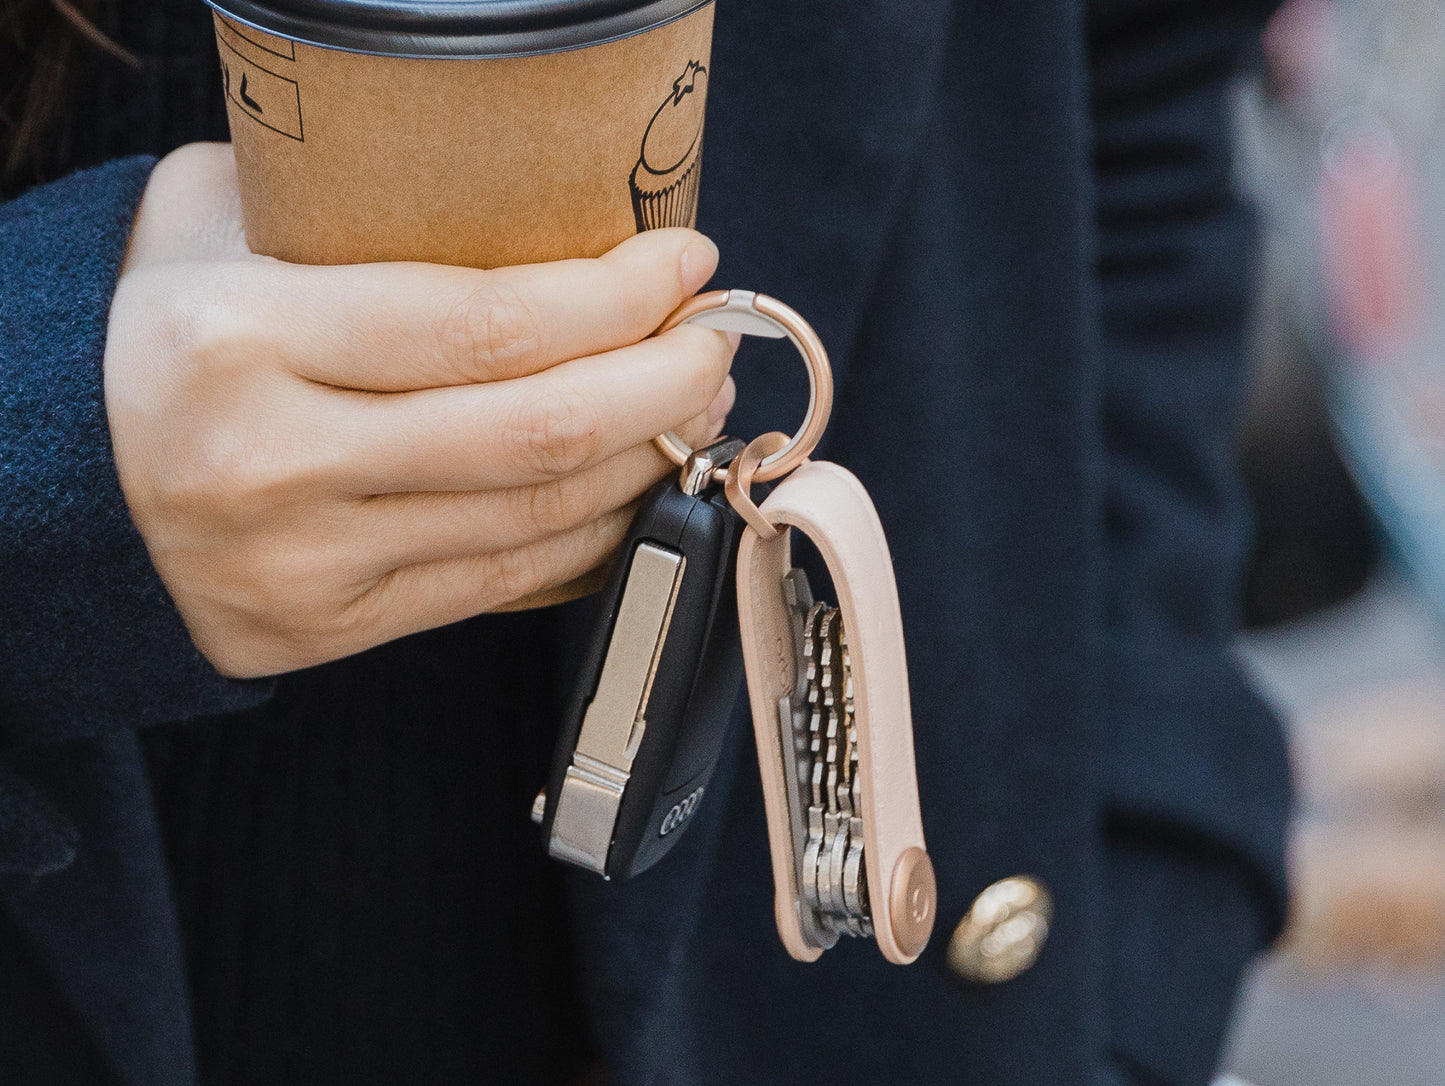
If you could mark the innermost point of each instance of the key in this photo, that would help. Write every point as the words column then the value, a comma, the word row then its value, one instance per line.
column 648, row 714
column 830, row 872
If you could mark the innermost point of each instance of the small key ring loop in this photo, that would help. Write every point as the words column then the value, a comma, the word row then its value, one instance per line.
column 759, row 315
column 739, row 482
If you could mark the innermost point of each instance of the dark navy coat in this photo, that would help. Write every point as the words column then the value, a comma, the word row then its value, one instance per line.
column 1011, row 223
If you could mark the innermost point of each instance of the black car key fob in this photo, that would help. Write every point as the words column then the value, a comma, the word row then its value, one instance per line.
column 662, row 667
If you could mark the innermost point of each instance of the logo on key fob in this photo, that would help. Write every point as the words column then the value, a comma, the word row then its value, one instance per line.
column 681, row 812
column 662, row 669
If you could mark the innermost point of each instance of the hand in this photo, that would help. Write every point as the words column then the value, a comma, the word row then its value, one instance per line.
column 320, row 459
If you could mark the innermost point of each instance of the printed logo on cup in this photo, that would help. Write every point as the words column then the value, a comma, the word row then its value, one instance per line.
column 251, row 74
column 665, row 180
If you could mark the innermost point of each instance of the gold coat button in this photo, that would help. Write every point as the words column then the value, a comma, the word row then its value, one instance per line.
column 1003, row 932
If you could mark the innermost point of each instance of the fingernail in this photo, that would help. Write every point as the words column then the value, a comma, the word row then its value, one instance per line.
column 699, row 261
column 723, row 402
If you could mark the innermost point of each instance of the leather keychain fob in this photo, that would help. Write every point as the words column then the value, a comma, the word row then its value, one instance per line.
column 662, row 668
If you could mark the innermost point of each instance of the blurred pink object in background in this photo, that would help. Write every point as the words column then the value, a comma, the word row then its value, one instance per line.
column 1301, row 49
column 1370, row 239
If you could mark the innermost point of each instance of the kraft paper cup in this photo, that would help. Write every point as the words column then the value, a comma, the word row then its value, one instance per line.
column 472, row 132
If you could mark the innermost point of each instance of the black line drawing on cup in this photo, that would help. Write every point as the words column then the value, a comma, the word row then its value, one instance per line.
column 265, row 96
column 246, row 99
column 664, row 182
column 274, row 50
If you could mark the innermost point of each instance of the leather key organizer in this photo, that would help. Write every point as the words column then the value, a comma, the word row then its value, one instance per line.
column 830, row 706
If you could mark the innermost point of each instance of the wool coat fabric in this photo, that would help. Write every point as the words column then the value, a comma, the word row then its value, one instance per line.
column 1012, row 224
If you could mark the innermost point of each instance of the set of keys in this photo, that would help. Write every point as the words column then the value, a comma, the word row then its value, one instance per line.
column 704, row 593
column 818, row 718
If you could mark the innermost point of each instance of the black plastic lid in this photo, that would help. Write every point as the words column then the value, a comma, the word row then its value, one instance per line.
column 455, row 28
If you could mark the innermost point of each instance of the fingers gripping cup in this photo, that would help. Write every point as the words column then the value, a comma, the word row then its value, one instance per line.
column 472, row 132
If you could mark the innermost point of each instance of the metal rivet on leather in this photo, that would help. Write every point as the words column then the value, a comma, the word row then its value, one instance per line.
column 1003, row 932
column 914, row 894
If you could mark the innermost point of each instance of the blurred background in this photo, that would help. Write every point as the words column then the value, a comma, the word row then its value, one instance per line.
column 1342, row 148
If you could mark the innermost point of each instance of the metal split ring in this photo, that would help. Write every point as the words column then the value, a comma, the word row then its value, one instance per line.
column 759, row 315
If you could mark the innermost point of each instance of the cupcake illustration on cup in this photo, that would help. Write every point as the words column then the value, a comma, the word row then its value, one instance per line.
column 664, row 181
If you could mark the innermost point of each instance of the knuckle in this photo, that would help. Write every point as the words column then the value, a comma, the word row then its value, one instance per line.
column 228, row 472
column 216, row 335
column 302, row 619
column 558, row 504
column 268, row 617
column 642, row 311
column 555, row 434
column 229, row 484
column 274, row 586
column 514, row 574
column 489, row 330
column 289, row 573
column 363, row 609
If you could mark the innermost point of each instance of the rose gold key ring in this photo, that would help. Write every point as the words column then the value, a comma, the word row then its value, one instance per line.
column 758, row 315
column 739, row 483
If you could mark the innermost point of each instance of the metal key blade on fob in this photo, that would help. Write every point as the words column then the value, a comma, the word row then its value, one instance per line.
column 663, row 665
column 616, row 720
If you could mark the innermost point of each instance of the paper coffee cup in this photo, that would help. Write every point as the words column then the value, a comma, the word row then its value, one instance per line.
column 471, row 132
